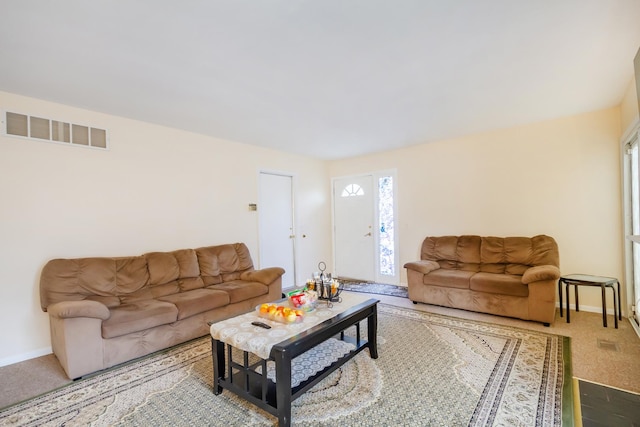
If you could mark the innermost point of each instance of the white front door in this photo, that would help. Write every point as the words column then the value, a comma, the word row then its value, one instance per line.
column 276, row 224
column 354, row 233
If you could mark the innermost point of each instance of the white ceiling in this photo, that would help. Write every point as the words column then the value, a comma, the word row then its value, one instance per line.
column 325, row 78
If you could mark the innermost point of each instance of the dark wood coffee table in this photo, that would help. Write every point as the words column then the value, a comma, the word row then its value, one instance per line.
column 249, row 380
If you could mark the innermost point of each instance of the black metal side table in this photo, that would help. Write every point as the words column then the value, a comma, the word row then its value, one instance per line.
column 588, row 280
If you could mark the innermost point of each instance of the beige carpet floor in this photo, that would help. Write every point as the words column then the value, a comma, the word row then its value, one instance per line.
column 605, row 356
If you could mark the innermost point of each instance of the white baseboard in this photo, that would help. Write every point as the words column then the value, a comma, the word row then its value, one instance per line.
column 588, row 308
column 25, row 356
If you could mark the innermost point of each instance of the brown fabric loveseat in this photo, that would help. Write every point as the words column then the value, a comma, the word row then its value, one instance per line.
column 510, row 276
column 105, row 311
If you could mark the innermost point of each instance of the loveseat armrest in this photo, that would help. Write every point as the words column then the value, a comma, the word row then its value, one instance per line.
column 540, row 272
column 85, row 308
column 423, row 266
column 266, row 275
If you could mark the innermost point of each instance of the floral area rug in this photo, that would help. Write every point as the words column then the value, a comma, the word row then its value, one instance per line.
column 431, row 370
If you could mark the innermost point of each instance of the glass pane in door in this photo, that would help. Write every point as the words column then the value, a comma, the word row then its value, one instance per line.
column 386, row 222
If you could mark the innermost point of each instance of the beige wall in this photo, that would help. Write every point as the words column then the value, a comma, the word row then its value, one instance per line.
column 162, row 189
column 560, row 178
column 155, row 189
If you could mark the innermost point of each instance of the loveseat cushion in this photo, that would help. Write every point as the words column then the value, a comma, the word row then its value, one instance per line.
column 138, row 316
column 197, row 301
column 459, row 252
column 239, row 290
column 504, row 284
column 449, row 278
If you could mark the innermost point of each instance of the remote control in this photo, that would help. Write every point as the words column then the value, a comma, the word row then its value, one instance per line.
column 262, row 325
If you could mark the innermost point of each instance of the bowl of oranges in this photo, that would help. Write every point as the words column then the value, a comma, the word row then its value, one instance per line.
column 280, row 313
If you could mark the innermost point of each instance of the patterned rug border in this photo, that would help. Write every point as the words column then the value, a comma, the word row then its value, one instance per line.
column 568, row 397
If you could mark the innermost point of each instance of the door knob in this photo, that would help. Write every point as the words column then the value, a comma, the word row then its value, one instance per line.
column 368, row 234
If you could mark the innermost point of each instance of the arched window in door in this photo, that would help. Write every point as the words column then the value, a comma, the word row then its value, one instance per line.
column 352, row 190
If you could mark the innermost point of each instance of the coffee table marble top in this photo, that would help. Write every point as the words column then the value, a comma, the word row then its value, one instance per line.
column 241, row 334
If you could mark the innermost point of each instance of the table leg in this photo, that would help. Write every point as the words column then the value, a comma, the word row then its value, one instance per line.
column 283, row 388
column 567, row 292
column 372, row 333
column 575, row 291
column 615, row 306
column 619, row 301
column 560, row 295
column 604, row 306
column 217, row 352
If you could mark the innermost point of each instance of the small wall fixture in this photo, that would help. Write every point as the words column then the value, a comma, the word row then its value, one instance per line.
column 253, row 207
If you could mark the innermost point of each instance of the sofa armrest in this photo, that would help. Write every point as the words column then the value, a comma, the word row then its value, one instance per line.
column 265, row 275
column 423, row 266
column 86, row 308
column 540, row 272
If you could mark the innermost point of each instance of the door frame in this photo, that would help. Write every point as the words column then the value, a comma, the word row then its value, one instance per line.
column 379, row 278
column 294, row 179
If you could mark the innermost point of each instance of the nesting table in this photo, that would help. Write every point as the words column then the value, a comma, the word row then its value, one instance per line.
column 588, row 280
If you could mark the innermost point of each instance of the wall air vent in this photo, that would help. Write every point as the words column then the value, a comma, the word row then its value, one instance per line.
column 42, row 129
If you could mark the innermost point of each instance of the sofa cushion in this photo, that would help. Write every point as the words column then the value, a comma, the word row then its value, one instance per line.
column 138, row 316
column 239, row 290
column 76, row 279
column 223, row 263
column 209, row 266
column 504, row 284
column 165, row 267
column 234, row 259
column 131, row 274
column 197, row 301
column 449, row 278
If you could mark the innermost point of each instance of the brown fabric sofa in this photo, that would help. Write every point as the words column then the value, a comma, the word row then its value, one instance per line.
column 105, row 311
column 510, row 276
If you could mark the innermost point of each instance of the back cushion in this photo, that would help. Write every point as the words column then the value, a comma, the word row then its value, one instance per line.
column 545, row 251
column 459, row 252
column 177, row 270
column 513, row 255
column 510, row 255
column 131, row 274
column 223, row 263
column 163, row 268
column 209, row 267
column 79, row 278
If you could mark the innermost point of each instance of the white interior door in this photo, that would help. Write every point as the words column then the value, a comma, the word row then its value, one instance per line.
column 276, row 225
column 354, row 234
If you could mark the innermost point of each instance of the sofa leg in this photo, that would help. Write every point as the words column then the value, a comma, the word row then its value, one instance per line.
column 547, row 324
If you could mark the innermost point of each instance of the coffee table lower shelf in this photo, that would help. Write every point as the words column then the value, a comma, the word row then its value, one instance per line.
column 246, row 381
